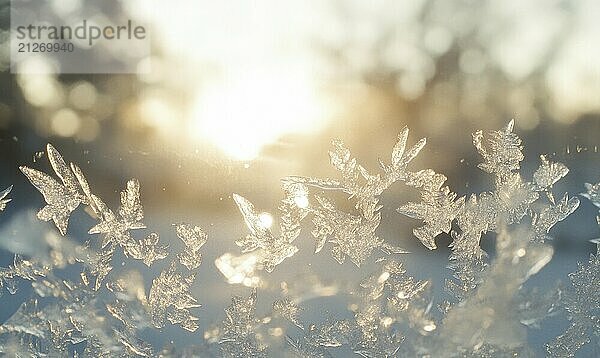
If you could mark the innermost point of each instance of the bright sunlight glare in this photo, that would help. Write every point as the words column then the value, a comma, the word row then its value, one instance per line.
column 245, row 112
column 266, row 220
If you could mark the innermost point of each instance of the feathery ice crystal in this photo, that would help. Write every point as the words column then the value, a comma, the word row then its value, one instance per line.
column 102, row 311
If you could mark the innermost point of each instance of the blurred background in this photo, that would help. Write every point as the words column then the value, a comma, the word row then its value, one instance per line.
column 240, row 94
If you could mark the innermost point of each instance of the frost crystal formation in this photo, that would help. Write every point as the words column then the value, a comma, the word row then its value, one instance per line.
column 96, row 313
column 91, row 296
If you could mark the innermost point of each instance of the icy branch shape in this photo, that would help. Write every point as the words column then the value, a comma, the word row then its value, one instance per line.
column 170, row 298
column 582, row 300
column 582, row 303
column 194, row 238
column 4, row 198
column 268, row 249
column 354, row 235
column 512, row 199
column 289, row 310
column 239, row 337
column 390, row 311
column 63, row 199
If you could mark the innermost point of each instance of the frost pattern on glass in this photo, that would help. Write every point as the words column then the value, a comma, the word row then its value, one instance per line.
column 353, row 235
column 72, row 316
column 582, row 300
column 239, row 338
column 288, row 309
column 270, row 250
column 115, row 229
column 194, row 238
column 100, row 313
column 170, row 299
column 513, row 198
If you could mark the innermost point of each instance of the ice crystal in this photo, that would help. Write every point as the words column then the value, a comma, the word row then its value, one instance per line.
column 63, row 199
column 23, row 269
column 98, row 264
column 354, row 235
column 582, row 301
column 148, row 250
column 194, row 238
column 550, row 215
column 512, row 199
column 239, row 336
column 3, row 198
column 116, row 229
column 490, row 316
column 271, row 250
column 288, row 309
column 170, row 298
column 582, row 304
column 75, row 308
column 55, row 327
column 593, row 193
column 390, row 303
column 81, row 313
column 439, row 206
column 306, row 348
column 503, row 153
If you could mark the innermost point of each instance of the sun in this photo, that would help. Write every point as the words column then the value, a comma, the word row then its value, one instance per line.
column 251, row 109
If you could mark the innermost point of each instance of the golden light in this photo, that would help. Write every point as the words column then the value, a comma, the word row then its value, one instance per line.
column 239, row 269
column 430, row 327
column 65, row 122
column 249, row 110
